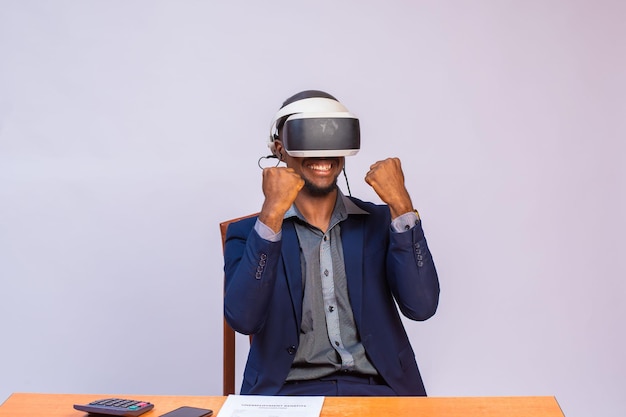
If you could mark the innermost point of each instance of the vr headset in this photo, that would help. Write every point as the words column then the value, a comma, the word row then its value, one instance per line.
column 316, row 127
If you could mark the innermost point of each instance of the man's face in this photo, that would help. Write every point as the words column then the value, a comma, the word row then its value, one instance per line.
column 319, row 174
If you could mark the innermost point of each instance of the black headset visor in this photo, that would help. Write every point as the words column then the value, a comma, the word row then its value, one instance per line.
column 308, row 136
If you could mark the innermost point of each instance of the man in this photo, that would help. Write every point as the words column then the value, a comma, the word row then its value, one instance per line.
column 314, row 277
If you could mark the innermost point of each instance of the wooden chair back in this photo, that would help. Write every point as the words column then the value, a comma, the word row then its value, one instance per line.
column 228, row 380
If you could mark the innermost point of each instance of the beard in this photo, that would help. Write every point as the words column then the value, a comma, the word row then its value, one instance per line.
column 313, row 189
column 316, row 191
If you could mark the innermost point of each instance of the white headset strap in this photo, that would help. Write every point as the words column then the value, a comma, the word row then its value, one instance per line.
column 308, row 105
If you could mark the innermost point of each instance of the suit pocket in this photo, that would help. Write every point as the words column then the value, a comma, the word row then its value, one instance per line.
column 250, row 378
column 407, row 359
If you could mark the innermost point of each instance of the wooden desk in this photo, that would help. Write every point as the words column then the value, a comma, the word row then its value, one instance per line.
column 60, row 405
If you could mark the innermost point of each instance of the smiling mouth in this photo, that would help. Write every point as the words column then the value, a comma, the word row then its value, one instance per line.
column 321, row 166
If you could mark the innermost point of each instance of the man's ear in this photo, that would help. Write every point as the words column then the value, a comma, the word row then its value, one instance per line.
column 279, row 150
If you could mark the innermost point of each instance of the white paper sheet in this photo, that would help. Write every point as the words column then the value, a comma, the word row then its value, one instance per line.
column 271, row 406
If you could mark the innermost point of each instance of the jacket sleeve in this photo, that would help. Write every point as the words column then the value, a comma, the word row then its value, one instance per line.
column 411, row 274
column 250, row 265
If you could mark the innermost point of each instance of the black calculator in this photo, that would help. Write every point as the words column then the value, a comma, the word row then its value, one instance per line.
column 115, row 407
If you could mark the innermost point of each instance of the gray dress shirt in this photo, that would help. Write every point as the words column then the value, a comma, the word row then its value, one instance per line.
column 329, row 341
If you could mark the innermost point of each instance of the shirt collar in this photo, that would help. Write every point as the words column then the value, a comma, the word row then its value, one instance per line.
column 343, row 208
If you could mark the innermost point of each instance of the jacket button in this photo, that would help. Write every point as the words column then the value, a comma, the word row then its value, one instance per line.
column 291, row 349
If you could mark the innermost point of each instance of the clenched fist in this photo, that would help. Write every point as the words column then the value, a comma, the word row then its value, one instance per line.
column 387, row 179
column 280, row 187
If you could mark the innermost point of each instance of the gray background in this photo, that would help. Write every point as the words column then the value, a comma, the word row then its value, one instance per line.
column 130, row 129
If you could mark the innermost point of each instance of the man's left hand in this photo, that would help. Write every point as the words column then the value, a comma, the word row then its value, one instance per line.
column 387, row 179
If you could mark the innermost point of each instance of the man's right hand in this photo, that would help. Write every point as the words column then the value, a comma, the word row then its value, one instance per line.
column 281, row 186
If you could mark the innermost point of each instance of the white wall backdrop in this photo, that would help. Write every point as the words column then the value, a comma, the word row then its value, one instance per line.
column 130, row 129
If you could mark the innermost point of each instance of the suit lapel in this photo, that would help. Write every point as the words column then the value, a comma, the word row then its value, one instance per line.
column 291, row 260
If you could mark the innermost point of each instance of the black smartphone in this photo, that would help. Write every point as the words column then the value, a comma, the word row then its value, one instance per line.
column 189, row 412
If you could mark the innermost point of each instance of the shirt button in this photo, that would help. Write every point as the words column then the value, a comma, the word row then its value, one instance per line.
column 325, row 238
column 326, row 272
column 331, row 308
column 291, row 349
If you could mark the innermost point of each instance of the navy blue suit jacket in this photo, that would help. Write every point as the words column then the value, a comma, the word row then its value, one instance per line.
column 263, row 296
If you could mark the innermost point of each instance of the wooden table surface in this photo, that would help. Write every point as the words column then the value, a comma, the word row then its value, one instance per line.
column 60, row 405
